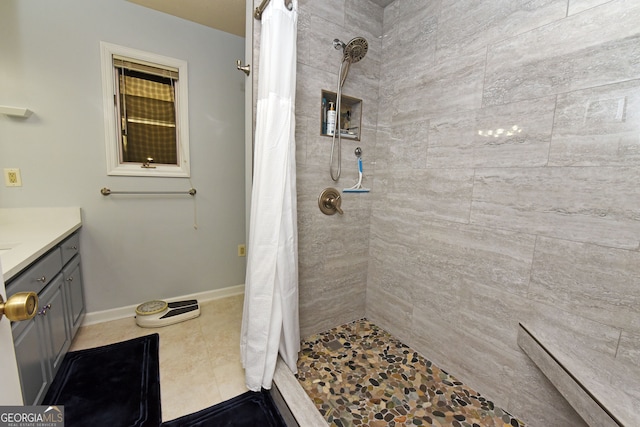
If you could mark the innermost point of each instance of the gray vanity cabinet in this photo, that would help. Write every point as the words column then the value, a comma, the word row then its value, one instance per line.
column 75, row 295
column 42, row 342
column 54, row 326
column 32, row 362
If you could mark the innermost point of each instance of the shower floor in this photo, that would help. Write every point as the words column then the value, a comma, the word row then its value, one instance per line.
column 359, row 375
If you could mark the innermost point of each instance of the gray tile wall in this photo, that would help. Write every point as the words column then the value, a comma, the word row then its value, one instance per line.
column 507, row 166
column 334, row 250
column 502, row 144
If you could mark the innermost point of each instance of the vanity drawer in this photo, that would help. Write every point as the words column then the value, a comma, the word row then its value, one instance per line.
column 70, row 248
column 36, row 277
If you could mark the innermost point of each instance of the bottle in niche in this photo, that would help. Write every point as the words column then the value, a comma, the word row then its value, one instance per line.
column 331, row 119
column 324, row 116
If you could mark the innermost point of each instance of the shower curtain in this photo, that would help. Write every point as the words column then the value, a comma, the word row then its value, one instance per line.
column 270, row 323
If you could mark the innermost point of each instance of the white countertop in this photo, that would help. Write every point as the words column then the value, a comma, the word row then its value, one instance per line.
column 28, row 233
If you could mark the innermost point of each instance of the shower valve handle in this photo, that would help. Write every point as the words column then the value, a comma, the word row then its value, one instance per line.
column 336, row 202
column 329, row 201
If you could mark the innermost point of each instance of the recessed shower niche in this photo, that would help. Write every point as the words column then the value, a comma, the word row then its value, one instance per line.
column 350, row 115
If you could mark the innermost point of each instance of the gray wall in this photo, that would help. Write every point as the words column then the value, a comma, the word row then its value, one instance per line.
column 133, row 248
column 333, row 250
column 466, row 234
column 470, row 232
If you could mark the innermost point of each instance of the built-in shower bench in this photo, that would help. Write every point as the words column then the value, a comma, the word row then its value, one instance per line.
column 603, row 390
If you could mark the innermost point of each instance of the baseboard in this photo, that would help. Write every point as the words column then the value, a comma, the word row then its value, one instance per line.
column 124, row 312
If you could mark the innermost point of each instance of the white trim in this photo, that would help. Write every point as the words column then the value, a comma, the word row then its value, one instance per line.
column 114, row 167
column 129, row 311
column 248, row 115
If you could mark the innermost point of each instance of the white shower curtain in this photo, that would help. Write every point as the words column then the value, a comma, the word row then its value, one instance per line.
column 270, row 322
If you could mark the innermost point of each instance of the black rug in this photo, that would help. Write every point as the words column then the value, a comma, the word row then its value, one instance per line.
column 251, row 409
column 117, row 385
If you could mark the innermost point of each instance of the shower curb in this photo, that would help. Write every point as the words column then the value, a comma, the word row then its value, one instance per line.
column 297, row 400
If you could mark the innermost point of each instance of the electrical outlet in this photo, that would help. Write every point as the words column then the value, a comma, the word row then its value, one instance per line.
column 12, row 177
column 242, row 250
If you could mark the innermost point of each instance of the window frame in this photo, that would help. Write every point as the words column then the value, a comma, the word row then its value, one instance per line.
column 111, row 114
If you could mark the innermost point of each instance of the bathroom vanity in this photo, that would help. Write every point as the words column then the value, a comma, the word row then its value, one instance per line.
column 40, row 252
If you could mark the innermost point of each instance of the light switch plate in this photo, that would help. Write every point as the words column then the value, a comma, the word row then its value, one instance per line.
column 12, row 177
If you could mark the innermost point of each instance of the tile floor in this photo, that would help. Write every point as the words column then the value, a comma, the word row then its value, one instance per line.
column 359, row 375
column 356, row 374
column 199, row 358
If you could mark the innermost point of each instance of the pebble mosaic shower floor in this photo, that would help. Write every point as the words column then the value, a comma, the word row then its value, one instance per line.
column 359, row 375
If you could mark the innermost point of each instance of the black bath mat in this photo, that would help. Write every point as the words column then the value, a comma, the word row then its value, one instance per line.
column 250, row 409
column 113, row 385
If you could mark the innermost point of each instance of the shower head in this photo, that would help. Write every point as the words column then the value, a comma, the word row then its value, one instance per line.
column 352, row 52
column 355, row 50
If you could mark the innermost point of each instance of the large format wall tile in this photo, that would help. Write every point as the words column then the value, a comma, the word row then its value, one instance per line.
column 330, row 10
column 629, row 348
column 596, row 47
column 491, row 313
column 581, row 204
column 410, row 44
column 588, row 280
column 466, row 233
column 598, row 127
column 577, row 6
column 470, row 255
column 449, row 86
column 333, row 250
column 405, row 146
column 451, row 140
column 466, row 26
column 366, row 18
column 513, row 135
column 434, row 193
column 469, row 358
column 594, row 337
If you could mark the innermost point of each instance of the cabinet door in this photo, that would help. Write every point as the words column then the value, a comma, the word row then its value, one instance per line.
column 75, row 297
column 70, row 247
column 54, row 327
column 34, row 373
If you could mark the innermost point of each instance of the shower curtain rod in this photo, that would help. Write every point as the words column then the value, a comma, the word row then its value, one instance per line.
column 258, row 13
column 106, row 191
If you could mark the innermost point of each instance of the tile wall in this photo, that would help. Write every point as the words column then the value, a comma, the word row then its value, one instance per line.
column 501, row 142
column 334, row 250
column 507, row 165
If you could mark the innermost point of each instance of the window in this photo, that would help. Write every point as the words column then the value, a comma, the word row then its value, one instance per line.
column 146, row 116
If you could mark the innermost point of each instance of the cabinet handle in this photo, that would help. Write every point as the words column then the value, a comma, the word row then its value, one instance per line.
column 42, row 279
column 44, row 309
column 70, row 279
column 73, row 248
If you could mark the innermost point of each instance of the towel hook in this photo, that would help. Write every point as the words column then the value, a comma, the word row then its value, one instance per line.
column 245, row 68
